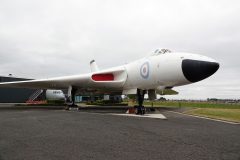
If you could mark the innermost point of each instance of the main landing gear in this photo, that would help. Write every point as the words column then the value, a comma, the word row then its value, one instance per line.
column 71, row 98
column 140, row 109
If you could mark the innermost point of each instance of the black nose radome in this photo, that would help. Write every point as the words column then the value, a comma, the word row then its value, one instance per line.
column 195, row 70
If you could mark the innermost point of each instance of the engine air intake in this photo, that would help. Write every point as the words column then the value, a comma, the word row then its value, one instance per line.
column 103, row 77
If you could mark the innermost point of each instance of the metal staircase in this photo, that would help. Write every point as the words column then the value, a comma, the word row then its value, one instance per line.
column 33, row 98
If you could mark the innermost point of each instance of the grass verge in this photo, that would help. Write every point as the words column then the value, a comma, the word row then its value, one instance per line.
column 217, row 113
column 192, row 104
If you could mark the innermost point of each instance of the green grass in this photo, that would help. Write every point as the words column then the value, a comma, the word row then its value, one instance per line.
column 217, row 113
column 192, row 104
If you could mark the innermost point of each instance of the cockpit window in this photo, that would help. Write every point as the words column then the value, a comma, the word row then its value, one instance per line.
column 161, row 51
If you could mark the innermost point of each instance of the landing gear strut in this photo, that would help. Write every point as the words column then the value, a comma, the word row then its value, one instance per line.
column 140, row 109
column 71, row 98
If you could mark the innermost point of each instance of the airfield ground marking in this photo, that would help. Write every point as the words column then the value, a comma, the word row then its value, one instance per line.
column 212, row 119
column 156, row 116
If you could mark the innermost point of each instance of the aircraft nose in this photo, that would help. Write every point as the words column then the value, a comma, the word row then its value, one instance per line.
column 195, row 70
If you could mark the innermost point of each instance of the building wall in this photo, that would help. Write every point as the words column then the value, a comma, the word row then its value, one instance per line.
column 14, row 95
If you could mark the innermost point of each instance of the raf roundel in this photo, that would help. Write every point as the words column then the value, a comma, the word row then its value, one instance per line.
column 144, row 70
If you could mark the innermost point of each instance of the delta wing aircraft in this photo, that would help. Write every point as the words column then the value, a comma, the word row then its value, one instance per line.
column 154, row 74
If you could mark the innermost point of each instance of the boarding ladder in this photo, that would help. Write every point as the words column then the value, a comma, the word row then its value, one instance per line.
column 35, row 95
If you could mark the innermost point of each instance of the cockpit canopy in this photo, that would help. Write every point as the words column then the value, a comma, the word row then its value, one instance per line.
column 160, row 51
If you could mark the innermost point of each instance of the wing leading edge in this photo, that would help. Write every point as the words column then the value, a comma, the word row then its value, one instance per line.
column 113, row 79
column 51, row 83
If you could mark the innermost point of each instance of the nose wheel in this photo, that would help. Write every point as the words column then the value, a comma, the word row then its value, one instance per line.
column 140, row 109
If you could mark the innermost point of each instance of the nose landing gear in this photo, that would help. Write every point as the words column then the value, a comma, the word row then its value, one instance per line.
column 140, row 109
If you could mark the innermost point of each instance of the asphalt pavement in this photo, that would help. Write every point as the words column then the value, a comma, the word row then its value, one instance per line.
column 56, row 134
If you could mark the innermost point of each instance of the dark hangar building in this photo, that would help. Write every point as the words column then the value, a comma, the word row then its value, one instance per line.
column 14, row 95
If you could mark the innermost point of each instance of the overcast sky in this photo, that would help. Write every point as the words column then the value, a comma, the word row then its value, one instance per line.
column 48, row 38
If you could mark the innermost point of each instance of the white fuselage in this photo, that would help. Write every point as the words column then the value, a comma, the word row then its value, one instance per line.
column 164, row 70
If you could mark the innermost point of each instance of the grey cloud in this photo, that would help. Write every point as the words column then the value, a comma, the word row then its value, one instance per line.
column 41, row 39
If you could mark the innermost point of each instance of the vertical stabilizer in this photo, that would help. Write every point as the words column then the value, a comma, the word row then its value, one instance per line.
column 93, row 66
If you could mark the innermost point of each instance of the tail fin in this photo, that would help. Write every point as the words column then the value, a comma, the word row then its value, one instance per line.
column 93, row 66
